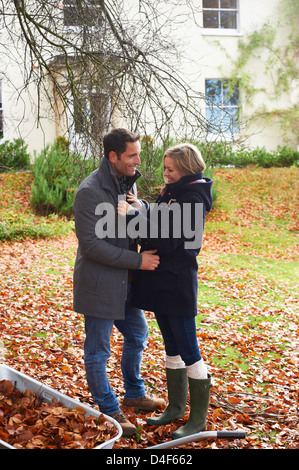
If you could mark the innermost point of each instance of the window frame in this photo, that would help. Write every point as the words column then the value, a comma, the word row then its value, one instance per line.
column 222, row 31
column 222, row 107
column 85, row 107
column 77, row 121
column 75, row 28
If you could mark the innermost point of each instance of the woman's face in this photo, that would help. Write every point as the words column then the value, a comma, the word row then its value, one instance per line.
column 170, row 173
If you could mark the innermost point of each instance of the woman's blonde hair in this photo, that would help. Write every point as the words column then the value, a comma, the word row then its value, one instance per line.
column 187, row 158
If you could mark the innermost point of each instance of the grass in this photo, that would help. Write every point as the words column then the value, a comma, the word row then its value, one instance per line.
column 229, row 355
column 248, row 266
column 247, row 304
column 277, row 269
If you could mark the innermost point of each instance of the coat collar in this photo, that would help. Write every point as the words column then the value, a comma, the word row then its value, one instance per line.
column 184, row 180
column 106, row 175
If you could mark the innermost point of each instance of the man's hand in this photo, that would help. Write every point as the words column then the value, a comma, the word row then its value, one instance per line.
column 150, row 261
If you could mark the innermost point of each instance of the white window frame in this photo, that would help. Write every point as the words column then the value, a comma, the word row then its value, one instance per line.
column 222, row 31
column 77, row 28
column 221, row 134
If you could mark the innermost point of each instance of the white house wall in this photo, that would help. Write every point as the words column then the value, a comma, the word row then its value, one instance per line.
column 203, row 58
column 21, row 105
column 208, row 53
column 20, row 113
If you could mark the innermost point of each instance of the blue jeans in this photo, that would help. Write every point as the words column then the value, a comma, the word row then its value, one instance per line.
column 179, row 335
column 97, row 352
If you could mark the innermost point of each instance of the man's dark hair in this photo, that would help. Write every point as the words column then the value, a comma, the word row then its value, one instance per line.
column 116, row 141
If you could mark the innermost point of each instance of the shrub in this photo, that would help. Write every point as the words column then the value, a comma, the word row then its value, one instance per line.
column 151, row 169
column 14, row 156
column 286, row 157
column 57, row 174
column 222, row 154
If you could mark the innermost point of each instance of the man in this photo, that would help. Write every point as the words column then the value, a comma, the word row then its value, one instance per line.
column 104, row 266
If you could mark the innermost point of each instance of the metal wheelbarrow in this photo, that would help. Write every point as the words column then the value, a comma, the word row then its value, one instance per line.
column 45, row 393
column 22, row 382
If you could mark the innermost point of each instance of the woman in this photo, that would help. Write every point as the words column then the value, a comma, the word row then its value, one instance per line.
column 171, row 290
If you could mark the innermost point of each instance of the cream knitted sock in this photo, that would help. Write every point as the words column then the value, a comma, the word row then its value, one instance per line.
column 198, row 370
column 174, row 362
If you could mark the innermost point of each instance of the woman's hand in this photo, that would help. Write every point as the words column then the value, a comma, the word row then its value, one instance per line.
column 123, row 208
column 134, row 201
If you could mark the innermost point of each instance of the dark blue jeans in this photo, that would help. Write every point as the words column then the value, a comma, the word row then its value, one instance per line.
column 97, row 352
column 179, row 335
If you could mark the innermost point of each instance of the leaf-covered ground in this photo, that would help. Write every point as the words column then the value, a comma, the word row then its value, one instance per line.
column 247, row 322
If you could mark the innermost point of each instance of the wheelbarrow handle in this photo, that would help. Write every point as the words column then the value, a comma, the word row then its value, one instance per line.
column 199, row 437
column 231, row 435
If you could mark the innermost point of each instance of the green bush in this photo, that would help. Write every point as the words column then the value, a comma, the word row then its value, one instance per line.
column 222, row 154
column 286, row 157
column 14, row 156
column 151, row 169
column 56, row 176
column 57, row 172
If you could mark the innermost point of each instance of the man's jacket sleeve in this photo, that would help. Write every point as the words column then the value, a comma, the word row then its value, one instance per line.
column 99, row 250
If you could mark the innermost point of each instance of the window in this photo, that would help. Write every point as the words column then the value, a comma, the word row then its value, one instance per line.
column 220, row 14
column 89, row 121
column 80, row 115
column 1, row 113
column 82, row 13
column 91, row 113
column 222, row 106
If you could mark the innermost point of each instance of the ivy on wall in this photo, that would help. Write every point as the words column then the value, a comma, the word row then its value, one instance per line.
column 280, row 69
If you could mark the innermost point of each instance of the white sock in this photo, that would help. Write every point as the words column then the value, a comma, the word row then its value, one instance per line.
column 174, row 362
column 198, row 370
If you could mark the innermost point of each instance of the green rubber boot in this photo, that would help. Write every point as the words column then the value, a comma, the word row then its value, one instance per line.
column 177, row 388
column 199, row 403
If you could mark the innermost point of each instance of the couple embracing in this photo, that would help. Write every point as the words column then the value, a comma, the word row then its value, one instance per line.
column 119, row 274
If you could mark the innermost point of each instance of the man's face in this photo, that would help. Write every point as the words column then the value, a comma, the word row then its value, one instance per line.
column 126, row 165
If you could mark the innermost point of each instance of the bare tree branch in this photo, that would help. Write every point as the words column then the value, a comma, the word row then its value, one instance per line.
column 96, row 61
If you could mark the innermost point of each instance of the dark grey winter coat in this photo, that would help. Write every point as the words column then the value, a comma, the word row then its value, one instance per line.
column 101, row 267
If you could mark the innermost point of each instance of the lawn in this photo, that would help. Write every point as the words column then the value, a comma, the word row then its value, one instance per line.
column 247, row 309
